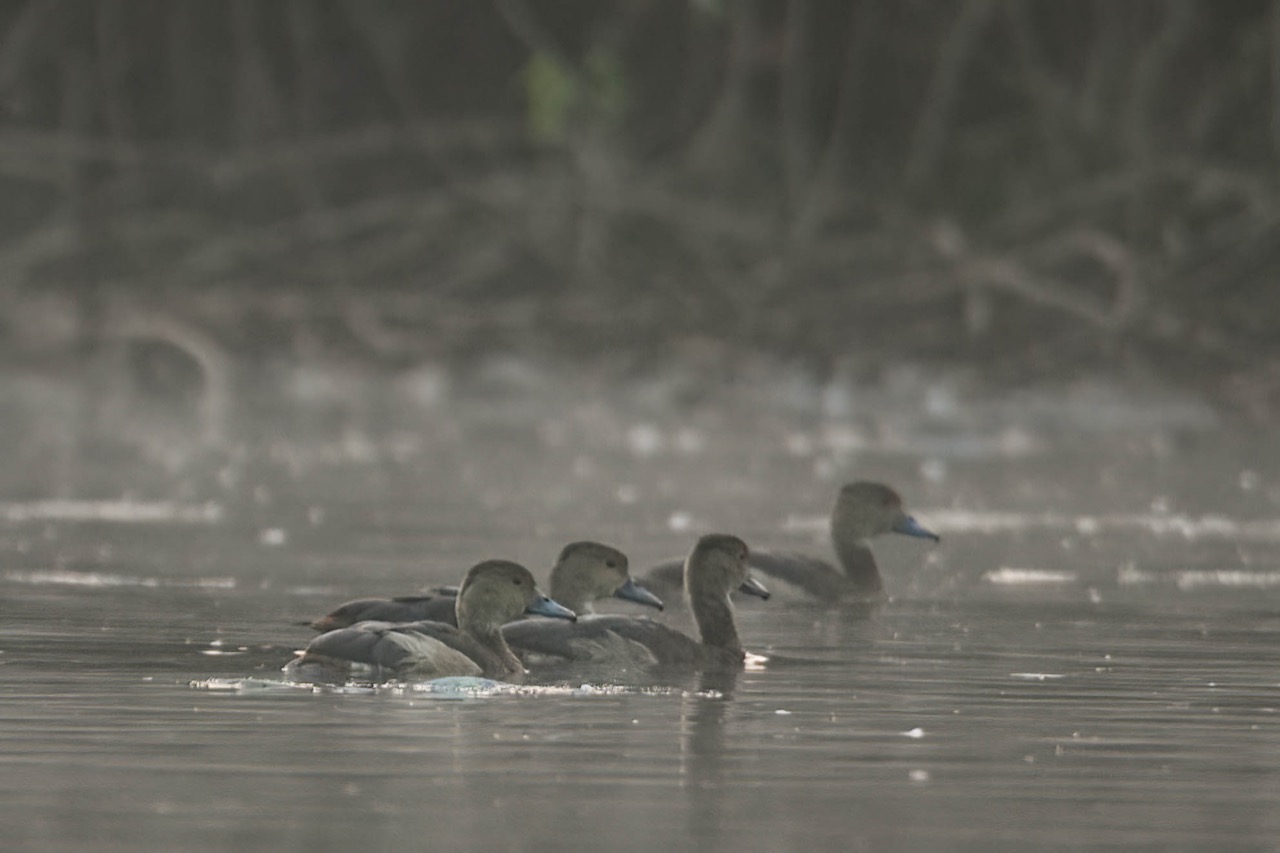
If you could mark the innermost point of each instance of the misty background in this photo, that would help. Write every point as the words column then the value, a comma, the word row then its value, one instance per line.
column 304, row 301
column 225, row 221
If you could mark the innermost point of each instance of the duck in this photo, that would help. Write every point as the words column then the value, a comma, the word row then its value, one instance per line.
column 863, row 510
column 492, row 593
column 715, row 566
column 583, row 573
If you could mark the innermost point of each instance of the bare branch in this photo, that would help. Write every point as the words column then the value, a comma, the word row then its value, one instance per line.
column 826, row 179
column 720, row 138
column 23, row 39
column 929, row 139
column 1275, row 76
column 1149, row 74
column 796, row 106
column 525, row 27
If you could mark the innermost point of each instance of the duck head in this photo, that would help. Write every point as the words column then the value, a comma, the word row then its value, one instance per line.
column 717, row 565
column 865, row 509
column 498, row 591
column 586, row 571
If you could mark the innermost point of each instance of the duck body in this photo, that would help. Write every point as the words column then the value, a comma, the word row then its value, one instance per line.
column 716, row 565
column 862, row 511
column 492, row 593
column 383, row 650
column 603, row 638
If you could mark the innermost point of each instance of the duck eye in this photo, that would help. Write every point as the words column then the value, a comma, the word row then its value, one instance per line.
column 516, row 581
column 611, row 564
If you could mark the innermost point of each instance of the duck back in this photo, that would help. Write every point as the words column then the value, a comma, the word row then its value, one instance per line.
column 409, row 608
column 810, row 576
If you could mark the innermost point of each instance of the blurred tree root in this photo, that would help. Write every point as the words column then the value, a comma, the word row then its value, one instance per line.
column 1029, row 189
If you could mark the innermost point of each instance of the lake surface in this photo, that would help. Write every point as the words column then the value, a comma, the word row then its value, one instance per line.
column 1087, row 660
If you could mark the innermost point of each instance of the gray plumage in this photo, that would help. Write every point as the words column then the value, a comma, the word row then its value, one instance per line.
column 584, row 572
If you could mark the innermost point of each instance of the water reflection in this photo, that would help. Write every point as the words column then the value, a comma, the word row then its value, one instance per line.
column 703, row 750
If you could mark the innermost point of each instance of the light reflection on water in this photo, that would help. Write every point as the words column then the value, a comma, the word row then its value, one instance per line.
column 1033, row 683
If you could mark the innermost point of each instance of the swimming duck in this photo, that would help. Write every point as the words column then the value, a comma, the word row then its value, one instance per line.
column 492, row 593
column 583, row 573
column 716, row 565
column 863, row 510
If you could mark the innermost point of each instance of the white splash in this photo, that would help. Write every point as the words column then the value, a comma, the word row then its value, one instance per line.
column 1157, row 524
column 1189, row 579
column 273, row 536
column 120, row 512
column 680, row 521
column 1009, row 576
column 1235, row 578
column 65, row 577
column 645, row 440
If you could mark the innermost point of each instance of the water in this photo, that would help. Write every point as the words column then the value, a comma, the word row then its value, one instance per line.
column 1087, row 660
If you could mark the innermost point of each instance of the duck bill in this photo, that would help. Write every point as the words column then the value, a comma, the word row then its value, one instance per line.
column 751, row 586
column 908, row 526
column 632, row 591
column 544, row 606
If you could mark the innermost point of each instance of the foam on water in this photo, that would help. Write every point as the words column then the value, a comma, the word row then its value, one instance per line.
column 450, row 687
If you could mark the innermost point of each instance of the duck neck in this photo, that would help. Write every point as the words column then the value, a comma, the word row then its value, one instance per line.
column 859, row 564
column 714, row 615
column 491, row 638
